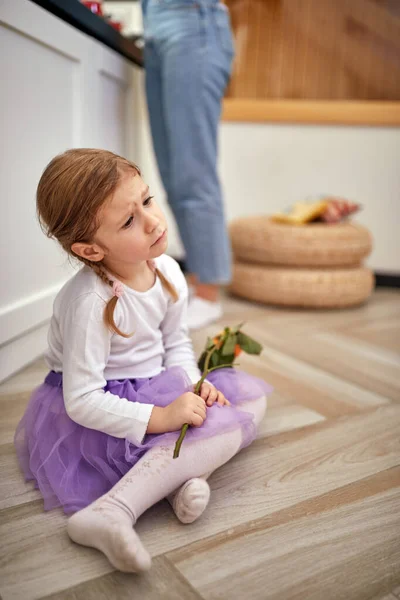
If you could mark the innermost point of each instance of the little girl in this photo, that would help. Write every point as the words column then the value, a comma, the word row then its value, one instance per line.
column 98, row 435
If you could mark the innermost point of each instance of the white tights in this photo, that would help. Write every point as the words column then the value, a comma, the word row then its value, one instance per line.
column 107, row 523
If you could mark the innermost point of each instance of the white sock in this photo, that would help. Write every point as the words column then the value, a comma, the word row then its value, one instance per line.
column 107, row 523
column 190, row 501
column 107, row 526
column 202, row 312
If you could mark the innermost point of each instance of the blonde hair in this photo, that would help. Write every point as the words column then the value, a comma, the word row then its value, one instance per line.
column 71, row 191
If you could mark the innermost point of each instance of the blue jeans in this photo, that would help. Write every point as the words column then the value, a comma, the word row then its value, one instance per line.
column 188, row 57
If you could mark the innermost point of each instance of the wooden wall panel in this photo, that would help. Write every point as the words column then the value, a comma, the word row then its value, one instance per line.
column 316, row 49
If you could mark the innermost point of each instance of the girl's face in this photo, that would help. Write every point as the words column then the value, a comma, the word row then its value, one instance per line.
column 132, row 226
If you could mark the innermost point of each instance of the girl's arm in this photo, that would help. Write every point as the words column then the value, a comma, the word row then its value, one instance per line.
column 86, row 348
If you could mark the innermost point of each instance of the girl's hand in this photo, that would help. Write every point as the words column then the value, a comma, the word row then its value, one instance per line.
column 187, row 408
column 210, row 394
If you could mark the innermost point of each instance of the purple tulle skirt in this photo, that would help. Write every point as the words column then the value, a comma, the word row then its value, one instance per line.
column 72, row 465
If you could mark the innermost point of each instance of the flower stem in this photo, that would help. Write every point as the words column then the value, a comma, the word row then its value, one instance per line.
column 180, row 440
column 196, row 391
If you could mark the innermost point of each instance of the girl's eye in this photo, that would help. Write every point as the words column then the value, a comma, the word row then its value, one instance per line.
column 128, row 223
column 148, row 200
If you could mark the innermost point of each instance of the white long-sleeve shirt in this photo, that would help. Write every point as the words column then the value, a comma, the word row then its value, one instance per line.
column 88, row 354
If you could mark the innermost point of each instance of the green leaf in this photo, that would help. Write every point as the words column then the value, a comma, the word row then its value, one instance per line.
column 209, row 343
column 227, row 360
column 237, row 328
column 213, row 360
column 229, row 346
column 248, row 345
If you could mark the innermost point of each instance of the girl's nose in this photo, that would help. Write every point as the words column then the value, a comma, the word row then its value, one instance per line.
column 151, row 223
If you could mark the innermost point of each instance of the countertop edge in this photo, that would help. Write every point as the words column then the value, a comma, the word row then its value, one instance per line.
column 80, row 17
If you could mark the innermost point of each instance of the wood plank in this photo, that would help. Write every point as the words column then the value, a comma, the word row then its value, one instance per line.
column 360, row 364
column 250, row 60
column 311, row 386
column 396, row 592
column 377, row 18
column 383, row 304
column 12, row 409
column 360, row 30
column 286, row 418
column 342, row 496
column 267, row 13
column 26, row 380
column 321, row 558
column 163, row 581
column 324, row 446
column 277, row 401
column 319, row 33
column 259, row 481
column 338, row 112
column 342, row 323
column 381, row 365
column 37, row 557
column 315, row 49
column 304, row 392
column 14, row 490
column 384, row 333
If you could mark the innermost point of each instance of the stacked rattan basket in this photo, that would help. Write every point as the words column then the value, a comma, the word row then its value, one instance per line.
column 315, row 265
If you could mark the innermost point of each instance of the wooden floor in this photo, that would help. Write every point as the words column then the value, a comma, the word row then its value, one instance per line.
column 310, row 511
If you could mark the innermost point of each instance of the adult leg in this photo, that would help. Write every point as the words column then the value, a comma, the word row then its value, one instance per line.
column 195, row 74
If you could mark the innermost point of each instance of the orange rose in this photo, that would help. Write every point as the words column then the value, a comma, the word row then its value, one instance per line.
column 217, row 342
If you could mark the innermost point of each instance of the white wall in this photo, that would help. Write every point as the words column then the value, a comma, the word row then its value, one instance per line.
column 265, row 168
column 60, row 88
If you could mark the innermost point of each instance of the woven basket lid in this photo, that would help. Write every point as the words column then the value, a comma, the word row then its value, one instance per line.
column 260, row 240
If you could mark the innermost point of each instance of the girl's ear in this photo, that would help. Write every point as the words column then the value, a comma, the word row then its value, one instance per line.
column 91, row 252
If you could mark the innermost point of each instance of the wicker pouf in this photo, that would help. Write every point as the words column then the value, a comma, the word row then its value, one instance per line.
column 260, row 240
column 317, row 288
